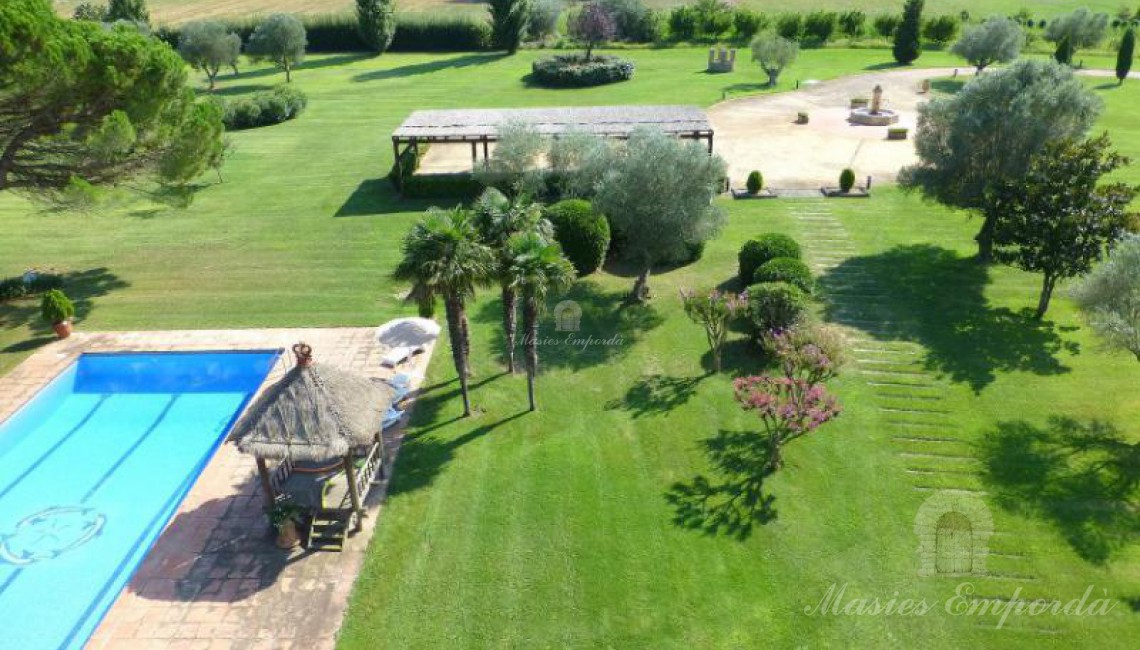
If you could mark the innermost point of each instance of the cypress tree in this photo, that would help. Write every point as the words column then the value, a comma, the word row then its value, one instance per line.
column 1124, row 54
column 376, row 22
column 907, row 46
column 1064, row 53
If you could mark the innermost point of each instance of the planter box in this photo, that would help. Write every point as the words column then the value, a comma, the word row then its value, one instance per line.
column 836, row 193
column 860, row 102
column 802, row 118
column 764, row 193
column 897, row 134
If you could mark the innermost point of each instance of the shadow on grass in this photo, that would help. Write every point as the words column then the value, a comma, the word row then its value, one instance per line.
column 239, row 89
column 607, row 328
column 742, row 88
column 425, row 452
column 656, row 394
column 310, row 64
column 947, row 86
column 428, row 67
column 935, row 297
column 733, row 503
column 1083, row 477
column 81, row 286
column 377, row 196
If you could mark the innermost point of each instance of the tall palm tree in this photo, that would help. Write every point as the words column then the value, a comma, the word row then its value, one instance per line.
column 444, row 258
column 537, row 268
column 497, row 219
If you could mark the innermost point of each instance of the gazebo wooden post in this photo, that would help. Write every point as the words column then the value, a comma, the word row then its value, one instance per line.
column 266, row 485
column 399, row 170
column 350, row 476
column 474, row 155
column 486, row 156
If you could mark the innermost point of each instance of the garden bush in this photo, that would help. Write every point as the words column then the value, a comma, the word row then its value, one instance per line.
column 634, row 21
column 263, row 108
column 819, row 26
column 775, row 306
column 19, row 287
column 747, row 23
column 763, row 249
column 683, row 23
column 440, row 33
column 755, row 182
column 574, row 71
column 846, row 180
column 851, row 23
column 714, row 18
column 790, row 26
column 886, row 25
column 940, row 29
column 785, row 269
column 56, row 307
column 583, row 234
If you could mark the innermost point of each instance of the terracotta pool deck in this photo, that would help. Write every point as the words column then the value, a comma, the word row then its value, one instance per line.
column 214, row 580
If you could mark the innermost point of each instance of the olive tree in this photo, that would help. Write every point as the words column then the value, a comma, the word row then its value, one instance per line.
column 514, row 165
column 998, row 40
column 1109, row 296
column 988, row 132
column 1079, row 29
column 208, row 46
column 657, row 192
column 280, row 38
column 83, row 106
column 774, row 53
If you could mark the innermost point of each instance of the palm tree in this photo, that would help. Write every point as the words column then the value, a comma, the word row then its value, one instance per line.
column 537, row 268
column 497, row 219
column 444, row 258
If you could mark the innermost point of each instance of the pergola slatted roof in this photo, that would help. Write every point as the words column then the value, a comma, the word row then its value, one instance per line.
column 482, row 125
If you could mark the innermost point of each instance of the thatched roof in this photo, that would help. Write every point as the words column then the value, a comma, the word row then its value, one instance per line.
column 316, row 412
column 609, row 121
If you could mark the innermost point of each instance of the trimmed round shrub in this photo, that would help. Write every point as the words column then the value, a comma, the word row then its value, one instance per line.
column 755, row 182
column 785, row 269
column 846, row 180
column 696, row 251
column 583, row 234
column 764, row 248
column 574, row 71
column 263, row 108
column 775, row 306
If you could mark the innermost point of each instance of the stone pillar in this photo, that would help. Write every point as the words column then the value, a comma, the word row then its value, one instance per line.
column 876, row 99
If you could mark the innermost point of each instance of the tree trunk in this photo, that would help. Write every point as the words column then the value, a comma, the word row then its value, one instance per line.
column 985, row 239
column 775, row 459
column 510, row 323
column 1047, row 286
column 454, row 308
column 288, row 73
column 530, row 322
column 640, row 291
column 773, row 76
column 465, row 328
column 589, row 51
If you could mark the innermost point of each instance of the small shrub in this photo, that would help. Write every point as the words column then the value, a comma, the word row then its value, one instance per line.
column 886, row 25
column 851, row 23
column 696, row 251
column 819, row 26
column 583, row 234
column 56, row 307
column 263, row 108
column 755, row 182
column 683, row 23
column 940, row 29
column 635, row 22
column 747, row 23
column 775, row 306
column 574, row 71
column 714, row 18
column 21, row 287
column 846, row 180
column 786, row 269
column 763, row 249
column 543, row 18
column 790, row 26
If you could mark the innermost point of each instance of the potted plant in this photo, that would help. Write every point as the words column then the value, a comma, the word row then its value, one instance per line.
column 284, row 517
column 58, row 310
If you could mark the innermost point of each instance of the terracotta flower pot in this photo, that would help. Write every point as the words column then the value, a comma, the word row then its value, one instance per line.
column 287, row 535
column 62, row 330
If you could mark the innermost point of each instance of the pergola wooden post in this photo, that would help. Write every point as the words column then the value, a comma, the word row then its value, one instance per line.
column 267, row 491
column 353, row 494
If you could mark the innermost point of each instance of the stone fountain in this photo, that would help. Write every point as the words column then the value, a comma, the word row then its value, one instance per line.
column 875, row 114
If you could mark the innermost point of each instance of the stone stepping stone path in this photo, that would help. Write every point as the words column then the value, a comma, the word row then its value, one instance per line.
column 917, row 420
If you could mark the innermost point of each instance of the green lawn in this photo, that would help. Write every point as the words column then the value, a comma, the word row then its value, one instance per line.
column 566, row 527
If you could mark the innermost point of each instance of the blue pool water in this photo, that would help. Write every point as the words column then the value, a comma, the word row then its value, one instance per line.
column 93, row 468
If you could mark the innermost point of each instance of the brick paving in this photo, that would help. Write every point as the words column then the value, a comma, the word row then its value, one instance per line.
column 214, row 580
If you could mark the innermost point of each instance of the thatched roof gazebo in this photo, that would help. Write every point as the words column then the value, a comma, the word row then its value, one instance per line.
column 316, row 413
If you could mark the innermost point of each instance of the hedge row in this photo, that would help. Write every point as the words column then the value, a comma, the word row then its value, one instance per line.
column 263, row 108
column 338, row 33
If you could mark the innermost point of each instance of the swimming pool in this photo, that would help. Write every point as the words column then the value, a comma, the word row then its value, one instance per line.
column 93, row 468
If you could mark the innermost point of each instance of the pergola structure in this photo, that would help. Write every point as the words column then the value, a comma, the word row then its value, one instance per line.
column 481, row 126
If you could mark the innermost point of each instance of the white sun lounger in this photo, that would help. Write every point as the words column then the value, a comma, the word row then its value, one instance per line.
column 396, row 356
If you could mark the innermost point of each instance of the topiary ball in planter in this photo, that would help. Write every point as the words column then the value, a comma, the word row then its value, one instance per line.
column 786, row 269
column 846, row 180
column 583, row 234
column 755, row 182
column 574, row 71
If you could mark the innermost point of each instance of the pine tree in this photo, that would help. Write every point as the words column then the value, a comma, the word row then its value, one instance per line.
column 907, row 46
column 1124, row 54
